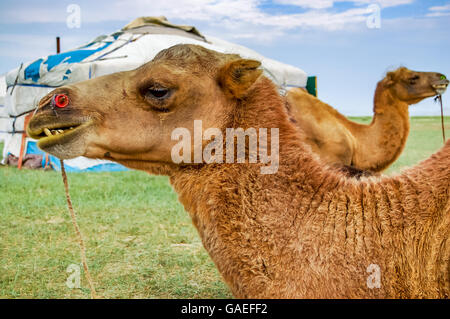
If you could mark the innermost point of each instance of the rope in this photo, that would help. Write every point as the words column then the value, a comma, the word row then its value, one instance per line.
column 17, row 79
column 77, row 230
column 439, row 98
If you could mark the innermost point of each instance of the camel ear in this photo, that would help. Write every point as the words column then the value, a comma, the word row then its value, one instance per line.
column 238, row 76
column 390, row 79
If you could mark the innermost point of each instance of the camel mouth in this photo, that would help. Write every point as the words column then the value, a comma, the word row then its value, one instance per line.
column 441, row 86
column 49, row 135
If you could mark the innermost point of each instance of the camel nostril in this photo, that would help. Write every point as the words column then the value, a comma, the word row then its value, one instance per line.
column 443, row 79
column 60, row 100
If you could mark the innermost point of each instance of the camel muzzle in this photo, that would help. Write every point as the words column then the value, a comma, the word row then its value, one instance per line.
column 55, row 123
column 441, row 86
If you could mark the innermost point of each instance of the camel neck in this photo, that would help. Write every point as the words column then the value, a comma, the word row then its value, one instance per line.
column 386, row 136
column 263, row 108
column 385, row 102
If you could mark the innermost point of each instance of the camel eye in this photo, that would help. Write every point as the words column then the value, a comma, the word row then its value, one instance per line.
column 413, row 80
column 157, row 93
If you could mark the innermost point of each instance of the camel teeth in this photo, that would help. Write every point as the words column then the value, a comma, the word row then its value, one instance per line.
column 55, row 132
column 47, row 132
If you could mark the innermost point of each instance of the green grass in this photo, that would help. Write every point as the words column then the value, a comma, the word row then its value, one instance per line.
column 140, row 241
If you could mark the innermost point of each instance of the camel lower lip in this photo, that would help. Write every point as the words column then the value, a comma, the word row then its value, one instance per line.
column 55, row 136
column 440, row 89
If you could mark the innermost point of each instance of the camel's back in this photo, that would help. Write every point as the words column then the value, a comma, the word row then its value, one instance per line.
column 301, row 102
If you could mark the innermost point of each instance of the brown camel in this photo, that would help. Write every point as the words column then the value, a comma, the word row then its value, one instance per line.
column 304, row 231
column 372, row 147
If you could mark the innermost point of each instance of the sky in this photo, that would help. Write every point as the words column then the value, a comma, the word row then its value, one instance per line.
column 348, row 45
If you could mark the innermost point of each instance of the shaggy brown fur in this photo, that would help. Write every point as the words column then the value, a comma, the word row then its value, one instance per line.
column 305, row 232
column 372, row 147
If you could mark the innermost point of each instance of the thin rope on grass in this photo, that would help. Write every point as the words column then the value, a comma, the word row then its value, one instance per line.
column 77, row 230
column 439, row 98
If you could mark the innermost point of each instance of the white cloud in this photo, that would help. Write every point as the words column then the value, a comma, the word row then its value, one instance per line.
column 200, row 10
column 440, row 8
column 326, row 20
column 324, row 4
column 242, row 13
column 439, row 11
column 384, row 3
column 317, row 4
column 239, row 16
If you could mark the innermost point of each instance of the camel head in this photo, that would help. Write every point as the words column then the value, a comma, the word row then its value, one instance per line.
column 129, row 116
column 412, row 87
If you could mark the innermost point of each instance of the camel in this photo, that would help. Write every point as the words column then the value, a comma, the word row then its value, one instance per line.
column 304, row 231
column 372, row 147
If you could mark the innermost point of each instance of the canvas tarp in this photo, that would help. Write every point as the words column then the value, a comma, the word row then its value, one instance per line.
column 164, row 24
column 2, row 92
column 3, row 111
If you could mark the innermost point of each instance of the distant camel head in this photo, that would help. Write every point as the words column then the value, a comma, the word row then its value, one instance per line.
column 129, row 116
column 412, row 87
